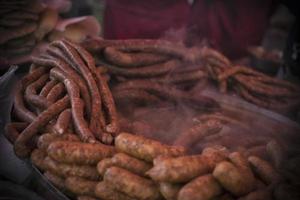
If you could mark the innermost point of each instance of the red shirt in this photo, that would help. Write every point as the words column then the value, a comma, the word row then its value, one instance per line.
column 230, row 25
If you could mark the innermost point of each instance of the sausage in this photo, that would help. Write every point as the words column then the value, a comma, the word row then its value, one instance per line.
column 56, row 92
column 204, row 187
column 85, row 197
column 80, row 186
column 20, row 147
column 108, row 104
column 103, row 165
column 31, row 95
column 81, row 125
column 198, row 132
column 54, row 62
column 131, row 184
column 20, row 110
column 131, row 164
column 184, row 77
column 47, row 138
column 276, row 153
column 264, row 170
column 12, row 130
column 19, row 31
column 130, row 60
column 169, row 190
column 97, row 119
column 106, row 96
column 62, row 122
column 237, row 178
column 55, row 180
column 258, row 195
column 143, row 148
column 169, row 93
column 37, row 157
column 67, row 170
column 79, row 153
column 162, row 47
column 135, row 96
column 185, row 168
column 105, row 191
column 47, row 88
column 146, row 71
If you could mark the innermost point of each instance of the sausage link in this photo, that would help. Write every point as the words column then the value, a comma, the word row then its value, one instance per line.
column 143, row 148
column 13, row 129
column 76, row 104
column 67, row 170
column 79, row 153
column 62, row 122
column 20, row 146
column 130, row 60
column 105, row 191
column 97, row 119
column 131, row 184
column 47, row 138
column 31, row 95
column 131, row 164
column 46, row 89
column 56, row 92
column 80, row 186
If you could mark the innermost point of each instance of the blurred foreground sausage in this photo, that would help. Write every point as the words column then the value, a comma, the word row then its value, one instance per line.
column 143, row 148
column 131, row 184
column 264, row 170
column 103, row 165
column 80, row 186
column 204, row 187
column 236, row 177
column 37, row 157
column 57, row 181
column 169, row 190
column 105, row 191
column 79, row 153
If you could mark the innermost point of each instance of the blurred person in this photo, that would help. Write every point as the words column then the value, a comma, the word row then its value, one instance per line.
column 229, row 26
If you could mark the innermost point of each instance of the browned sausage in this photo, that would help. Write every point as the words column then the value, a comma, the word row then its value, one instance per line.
column 62, row 122
column 204, row 187
column 80, row 186
column 47, row 138
column 143, row 148
column 185, row 168
column 13, row 129
column 20, row 146
column 77, row 105
column 67, row 170
column 131, row 164
column 55, row 180
column 105, row 191
column 132, row 59
column 79, row 153
column 131, row 184
column 169, row 190
column 103, row 165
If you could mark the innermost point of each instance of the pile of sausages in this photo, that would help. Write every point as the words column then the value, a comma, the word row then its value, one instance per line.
column 255, row 87
column 148, row 71
column 157, row 62
column 141, row 168
column 63, row 93
column 23, row 25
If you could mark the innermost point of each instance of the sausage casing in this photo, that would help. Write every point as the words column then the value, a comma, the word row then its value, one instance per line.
column 143, row 148
column 79, row 153
column 131, row 184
